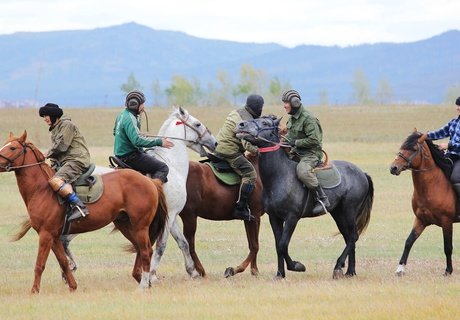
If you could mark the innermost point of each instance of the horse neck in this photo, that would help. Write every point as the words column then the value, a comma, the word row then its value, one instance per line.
column 269, row 161
column 32, row 180
column 176, row 156
column 428, row 176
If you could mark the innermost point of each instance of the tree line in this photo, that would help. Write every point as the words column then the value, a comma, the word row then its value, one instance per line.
column 225, row 92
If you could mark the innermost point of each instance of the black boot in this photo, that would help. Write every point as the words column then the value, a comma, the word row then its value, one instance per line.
column 242, row 211
column 79, row 209
column 322, row 202
column 456, row 187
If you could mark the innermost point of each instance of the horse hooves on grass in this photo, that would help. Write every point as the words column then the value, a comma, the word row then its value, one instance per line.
column 447, row 274
column 229, row 272
column 297, row 267
column 337, row 274
column 255, row 272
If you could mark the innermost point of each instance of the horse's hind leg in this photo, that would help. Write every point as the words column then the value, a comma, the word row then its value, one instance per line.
column 61, row 257
column 417, row 230
column 185, row 248
column 190, row 224
column 44, row 246
column 124, row 229
column 145, row 251
column 447, row 235
column 160, row 248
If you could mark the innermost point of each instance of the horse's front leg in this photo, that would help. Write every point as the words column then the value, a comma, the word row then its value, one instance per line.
column 189, row 221
column 447, row 235
column 185, row 248
column 160, row 248
column 61, row 257
column 144, row 256
column 45, row 242
column 289, row 227
column 417, row 230
column 252, row 234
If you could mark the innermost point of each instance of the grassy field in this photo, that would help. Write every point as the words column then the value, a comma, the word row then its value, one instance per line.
column 367, row 136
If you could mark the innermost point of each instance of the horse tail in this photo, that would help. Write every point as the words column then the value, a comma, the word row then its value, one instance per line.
column 160, row 221
column 364, row 214
column 25, row 227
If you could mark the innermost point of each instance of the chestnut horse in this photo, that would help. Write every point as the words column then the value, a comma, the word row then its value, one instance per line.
column 141, row 216
column 433, row 200
column 210, row 199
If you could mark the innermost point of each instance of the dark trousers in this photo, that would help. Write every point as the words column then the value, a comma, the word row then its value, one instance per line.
column 147, row 164
column 455, row 176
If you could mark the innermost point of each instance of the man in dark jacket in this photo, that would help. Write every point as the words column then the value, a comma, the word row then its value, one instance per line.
column 70, row 153
column 305, row 136
column 232, row 149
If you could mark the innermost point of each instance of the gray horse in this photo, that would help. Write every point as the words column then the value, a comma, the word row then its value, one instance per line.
column 286, row 200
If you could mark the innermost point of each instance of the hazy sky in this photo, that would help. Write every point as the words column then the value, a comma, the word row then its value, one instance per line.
column 287, row 22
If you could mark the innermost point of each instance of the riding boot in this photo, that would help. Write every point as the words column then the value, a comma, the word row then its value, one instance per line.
column 322, row 202
column 242, row 210
column 78, row 208
column 456, row 187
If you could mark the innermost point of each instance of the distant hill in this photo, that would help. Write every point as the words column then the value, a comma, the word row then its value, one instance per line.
column 87, row 67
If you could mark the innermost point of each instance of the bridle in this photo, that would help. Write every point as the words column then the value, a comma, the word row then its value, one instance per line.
column 274, row 130
column 10, row 166
column 412, row 157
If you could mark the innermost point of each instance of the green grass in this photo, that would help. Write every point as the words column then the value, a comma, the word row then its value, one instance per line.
column 367, row 136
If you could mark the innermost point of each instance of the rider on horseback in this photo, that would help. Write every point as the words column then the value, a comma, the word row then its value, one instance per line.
column 232, row 149
column 451, row 130
column 129, row 142
column 305, row 136
column 69, row 151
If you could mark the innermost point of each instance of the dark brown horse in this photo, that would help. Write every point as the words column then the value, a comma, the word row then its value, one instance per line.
column 434, row 200
column 141, row 215
column 210, row 199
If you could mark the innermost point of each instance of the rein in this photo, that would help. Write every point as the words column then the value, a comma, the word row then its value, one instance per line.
column 411, row 158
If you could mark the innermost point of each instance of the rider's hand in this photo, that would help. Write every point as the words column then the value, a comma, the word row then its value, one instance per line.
column 167, row 143
column 291, row 143
column 443, row 146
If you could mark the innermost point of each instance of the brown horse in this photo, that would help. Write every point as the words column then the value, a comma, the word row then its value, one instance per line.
column 433, row 200
column 141, row 215
column 210, row 199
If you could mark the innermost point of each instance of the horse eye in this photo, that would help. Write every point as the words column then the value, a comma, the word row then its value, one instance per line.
column 198, row 125
column 12, row 148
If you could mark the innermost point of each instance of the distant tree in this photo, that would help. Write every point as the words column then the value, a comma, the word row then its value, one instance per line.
column 220, row 94
column 158, row 93
column 131, row 84
column 384, row 93
column 251, row 81
column 361, row 88
column 453, row 92
column 323, row 97
column 276, row 89
column 182, row 92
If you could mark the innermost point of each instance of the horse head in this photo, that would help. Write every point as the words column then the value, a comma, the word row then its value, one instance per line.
column 195, row 134
column 260, row 132
column 411, row 154
column 12, row 153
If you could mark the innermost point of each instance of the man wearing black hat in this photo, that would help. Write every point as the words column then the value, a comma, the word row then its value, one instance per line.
column 129, row 142
column 452, row 131
column 70, row 153
column 232, row 149
column 305, row 135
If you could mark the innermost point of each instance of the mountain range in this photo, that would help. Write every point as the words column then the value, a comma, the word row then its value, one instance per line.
column 84, row 68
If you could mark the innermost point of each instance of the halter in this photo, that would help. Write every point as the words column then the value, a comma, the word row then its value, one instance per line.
column 276, row 145
column 10, row 166
column 411, row 158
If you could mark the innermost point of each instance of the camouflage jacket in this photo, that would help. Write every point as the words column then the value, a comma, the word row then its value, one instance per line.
column 304, row 128
column 227, row 142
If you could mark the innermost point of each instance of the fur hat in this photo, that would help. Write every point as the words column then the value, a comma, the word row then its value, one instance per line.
column 457, row 102
column 293, row 97
column 52, row 110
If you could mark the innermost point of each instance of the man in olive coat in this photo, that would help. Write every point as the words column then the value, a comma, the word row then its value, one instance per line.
column 70, row 153
column 232, row 149
column 305, row 136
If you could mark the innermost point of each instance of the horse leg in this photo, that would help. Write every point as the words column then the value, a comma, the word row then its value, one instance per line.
column 417, row 230
column 160, row 248
column 145, row 251
column 347, row 227
column 189, row 227
column 184, row 247
column 65, row 239
column 61, row 257
column 447, row 235
column 45, row 242
column 252, row 234
column 289, row 227
column 124, row 228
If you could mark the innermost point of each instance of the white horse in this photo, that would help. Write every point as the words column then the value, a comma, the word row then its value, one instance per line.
column 185, row 131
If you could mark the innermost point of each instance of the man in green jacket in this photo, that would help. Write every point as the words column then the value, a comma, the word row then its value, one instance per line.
column 70, row 155
column 129, row 141
column 232, row 149
column 305, row 136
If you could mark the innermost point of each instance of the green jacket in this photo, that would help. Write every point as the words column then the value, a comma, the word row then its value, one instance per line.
column 227, row 142
column 68, row 145
column 304, row 128
column 128, row 137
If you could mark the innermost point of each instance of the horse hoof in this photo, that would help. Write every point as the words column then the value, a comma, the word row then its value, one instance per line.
column 399, row 273
column 297, row 267
column 255, row 272
column 350, row 274
column 337, row 274
column 195, row 275
column 229, row 272
column 278, row 278
column 447, row 274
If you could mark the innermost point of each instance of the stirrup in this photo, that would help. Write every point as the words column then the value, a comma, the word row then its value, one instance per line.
column 322, row 206
column 237, row 214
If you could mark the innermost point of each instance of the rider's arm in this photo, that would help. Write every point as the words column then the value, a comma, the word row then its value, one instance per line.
column 135, row 136
column 441, row 133
column 63, row 139
column 313, row 135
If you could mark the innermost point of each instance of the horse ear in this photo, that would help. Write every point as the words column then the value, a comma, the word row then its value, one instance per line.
column 277, row 122
column 23, row 137
column 11, row 135
column 422, row 137
column 183, row 112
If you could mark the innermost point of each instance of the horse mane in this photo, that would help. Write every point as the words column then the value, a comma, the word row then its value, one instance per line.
column 443, row 162
column 166, row 123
